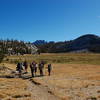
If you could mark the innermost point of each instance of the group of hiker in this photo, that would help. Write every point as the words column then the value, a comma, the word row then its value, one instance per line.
column 34, row 66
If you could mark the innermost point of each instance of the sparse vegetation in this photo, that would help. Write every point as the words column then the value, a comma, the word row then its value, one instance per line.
column 73, row 76
column 1, row 55
column 15, row 47
column 69, row 58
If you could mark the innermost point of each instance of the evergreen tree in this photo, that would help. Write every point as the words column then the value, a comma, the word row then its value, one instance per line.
column 1, row 56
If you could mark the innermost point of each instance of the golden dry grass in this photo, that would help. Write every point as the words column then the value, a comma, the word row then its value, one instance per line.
column 73, row 81
column 69, row 58
column 13, row 89
column 74, row 77
column 68, row 81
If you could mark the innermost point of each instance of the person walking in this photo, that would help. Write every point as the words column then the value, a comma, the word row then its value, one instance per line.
column 41, row 66
column 25, row 64
column 32, row 69
column 19, row 68
column 36, row 66
column 49, row 69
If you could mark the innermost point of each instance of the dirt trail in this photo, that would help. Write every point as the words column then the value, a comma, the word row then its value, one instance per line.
column 40, row 92
column 36, row 91
column 69, row 82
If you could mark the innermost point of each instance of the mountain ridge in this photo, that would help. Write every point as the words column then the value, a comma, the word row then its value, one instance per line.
column 90, row 42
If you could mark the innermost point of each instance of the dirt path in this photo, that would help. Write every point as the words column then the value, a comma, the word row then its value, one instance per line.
column 40, row 92
column 69, row 82
column 36, row 91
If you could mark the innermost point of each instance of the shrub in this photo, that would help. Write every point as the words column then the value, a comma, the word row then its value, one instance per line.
column 1, row 56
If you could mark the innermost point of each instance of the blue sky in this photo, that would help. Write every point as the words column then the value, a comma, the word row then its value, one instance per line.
column 50, row 20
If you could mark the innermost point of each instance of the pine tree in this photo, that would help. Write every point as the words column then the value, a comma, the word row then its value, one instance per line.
column 1, row 56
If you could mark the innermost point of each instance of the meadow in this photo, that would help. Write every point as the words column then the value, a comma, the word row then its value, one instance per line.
column 68, row 58
column 73, row 77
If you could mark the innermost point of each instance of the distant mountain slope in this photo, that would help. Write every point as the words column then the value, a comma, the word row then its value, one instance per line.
column 85, row 42
column 89, row 42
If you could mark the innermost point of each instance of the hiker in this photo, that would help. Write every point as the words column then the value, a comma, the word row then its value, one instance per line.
column 36, row 66
column 25, row 64
column 43, row 62
column 41, row 66
column 19, row 68
column 49, row 69
column 32, row 69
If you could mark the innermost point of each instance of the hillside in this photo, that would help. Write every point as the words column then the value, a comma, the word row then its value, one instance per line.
column 85, row 43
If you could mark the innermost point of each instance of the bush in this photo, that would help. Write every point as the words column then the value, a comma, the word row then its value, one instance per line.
column 1, row 56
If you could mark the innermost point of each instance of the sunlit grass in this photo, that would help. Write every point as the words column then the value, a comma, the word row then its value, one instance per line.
column 70, row 58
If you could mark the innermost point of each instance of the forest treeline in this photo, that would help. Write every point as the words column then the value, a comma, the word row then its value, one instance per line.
column 12, row 47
